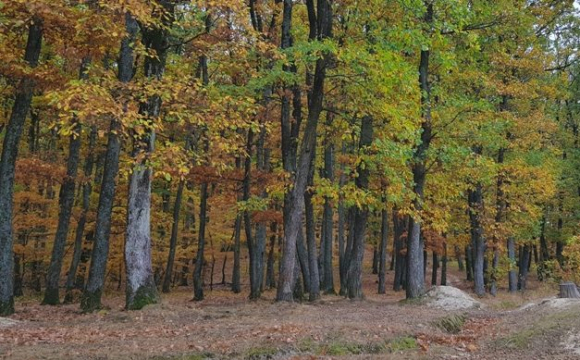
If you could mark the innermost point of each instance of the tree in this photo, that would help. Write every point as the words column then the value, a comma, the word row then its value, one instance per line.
column 23, row 98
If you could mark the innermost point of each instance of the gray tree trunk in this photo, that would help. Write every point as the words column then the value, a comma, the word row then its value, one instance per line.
column 524, row 262
column 141, row 286
column 86, row 195
column 383, row 250
column 314, row 288
column 327, row 275
column 444, row 266
column 66, row 202
column 354, row 272
column 322, row 26
column 415, row 267
column 400, row 225
column 91, row 299
column 478, row 242
column 173, row 240
column 14, row 129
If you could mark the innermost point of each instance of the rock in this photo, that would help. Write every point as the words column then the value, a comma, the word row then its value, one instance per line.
column 559, row 303
column 450, row 298
column 6, row 322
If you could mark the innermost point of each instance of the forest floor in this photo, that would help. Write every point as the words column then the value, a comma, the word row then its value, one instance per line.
column 228, row 326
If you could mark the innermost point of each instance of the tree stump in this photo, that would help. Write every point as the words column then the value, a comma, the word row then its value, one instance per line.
column 569, row 290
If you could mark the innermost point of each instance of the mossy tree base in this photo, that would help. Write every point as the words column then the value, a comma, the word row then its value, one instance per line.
column 145, row 295
column 51, row 297
column 7, row 307
column 91, row 301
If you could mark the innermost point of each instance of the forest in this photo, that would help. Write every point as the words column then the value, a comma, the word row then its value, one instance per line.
column 286, row 149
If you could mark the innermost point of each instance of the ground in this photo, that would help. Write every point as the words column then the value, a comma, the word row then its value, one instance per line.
column 228, row 326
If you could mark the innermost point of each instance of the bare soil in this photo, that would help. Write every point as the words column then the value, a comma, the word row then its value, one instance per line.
column 228, row 326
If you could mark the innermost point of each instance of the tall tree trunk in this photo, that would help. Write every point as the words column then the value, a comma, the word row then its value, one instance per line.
column 415, row 275
column 302, row 251
column 459, row 256
column 198, row 271
column 236, row 272
column 91, row 299
column 14, row 128
column 475, row 198
column 323, row 27
column 236, row 287
column 444, row 265
column 343, row 219
column 141, row 286
column 500, row 213
column 66, row 203
column 289, row 141
column 400, row 224
column 383, row 250
column 347, row 256
column 524, row 262
column 544, row 253
column 173, row 240
column 270, row 279
column 512, row 275
column 314, row 289
column 354, row 272
column 434, row 269
column 327, row 275
column 79, row 233
column 255, row 279
column 375, row 262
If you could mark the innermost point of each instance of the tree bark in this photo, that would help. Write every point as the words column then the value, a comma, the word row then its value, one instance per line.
column 141, row 289
column 459, row 256
column 475, row 197
column 198, row 270
column 314, row 288
column 66, row 203
column 293, row 225
column 236, row 287
column 14, row 129
column 86, row 194
column 569, row 290
column 91, row 299
column 354, row 272
column 270, row 279
column 415, row 275
column 512, row 275
column 524, row 266
column 173, row 240
column 327, row 275
column 434, row 269
column 383, row 250
column 236, row 274
column 400, row 226
column 444, row 266
column 469, row 261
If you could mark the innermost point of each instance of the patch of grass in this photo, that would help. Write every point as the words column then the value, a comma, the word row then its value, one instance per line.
column 416, row 301
column 507, row 305
column 261, row 353
column 342, row 349
column 402, row 343
column 197, row 356
column 451, row 324
column 307, row 345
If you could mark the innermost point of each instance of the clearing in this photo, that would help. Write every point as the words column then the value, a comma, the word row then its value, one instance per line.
column 228, row 326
